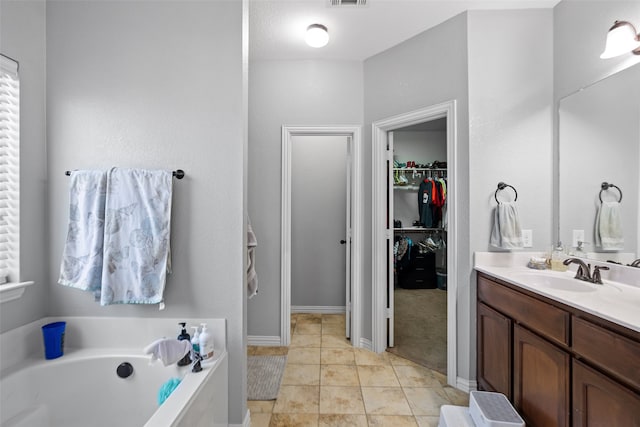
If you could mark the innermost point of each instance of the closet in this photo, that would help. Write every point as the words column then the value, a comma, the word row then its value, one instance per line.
column 419, row 208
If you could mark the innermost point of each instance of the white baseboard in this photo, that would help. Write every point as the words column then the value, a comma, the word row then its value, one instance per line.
column 366, row 344
column 245, row 423
column 323, row 309
column 466, row 385
column 263, row 341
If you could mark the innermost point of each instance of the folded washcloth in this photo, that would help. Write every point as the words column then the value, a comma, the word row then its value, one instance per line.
column 608, row 230
column 506, row 232
column 169, row 350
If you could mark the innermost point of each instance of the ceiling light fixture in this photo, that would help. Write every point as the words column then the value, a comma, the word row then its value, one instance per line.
column 317, row 35
column 622, row 38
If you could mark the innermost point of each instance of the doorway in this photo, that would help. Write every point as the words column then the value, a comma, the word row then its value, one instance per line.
column 308, row 138
column 417, row 204
column 383, row 227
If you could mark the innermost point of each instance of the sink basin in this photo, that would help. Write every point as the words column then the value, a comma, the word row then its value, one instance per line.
column 554, row 281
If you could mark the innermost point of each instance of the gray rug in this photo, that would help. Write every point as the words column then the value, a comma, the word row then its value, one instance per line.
column 264, row 374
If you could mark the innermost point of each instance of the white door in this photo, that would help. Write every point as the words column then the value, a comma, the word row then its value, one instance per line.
column 347, row 242
column 319, row 259
column 390, row 242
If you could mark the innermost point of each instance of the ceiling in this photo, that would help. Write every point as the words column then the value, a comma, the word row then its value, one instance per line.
column 276, row 27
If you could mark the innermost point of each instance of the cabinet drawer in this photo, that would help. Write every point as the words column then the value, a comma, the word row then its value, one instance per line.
column 544, row 318
column 612, row 352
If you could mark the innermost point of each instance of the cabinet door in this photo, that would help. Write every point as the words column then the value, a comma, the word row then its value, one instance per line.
column 601, row 402
column 540, row 380
column 494, row 351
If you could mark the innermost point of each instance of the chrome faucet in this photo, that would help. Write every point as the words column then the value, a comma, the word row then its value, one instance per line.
column 584, row 270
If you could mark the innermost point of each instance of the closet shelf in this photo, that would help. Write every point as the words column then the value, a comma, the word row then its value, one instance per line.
column 420, row 169
column 416, row 229
column 406, row 187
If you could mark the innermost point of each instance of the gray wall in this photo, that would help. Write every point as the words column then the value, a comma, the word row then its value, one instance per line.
column 22, row 37
column 294, row 93
column 156, row 84
column 428, row 69
column 510, row 122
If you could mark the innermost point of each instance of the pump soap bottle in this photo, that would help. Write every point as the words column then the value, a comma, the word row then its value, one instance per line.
column 195, row 342
column 206, row 344
column 186, row 360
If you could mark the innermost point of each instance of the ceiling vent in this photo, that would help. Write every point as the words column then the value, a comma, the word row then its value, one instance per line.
column 347, row 2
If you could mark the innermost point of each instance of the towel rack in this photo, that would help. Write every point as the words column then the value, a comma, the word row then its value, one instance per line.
column 502, row 186
column 606, row 186
column 178, row 173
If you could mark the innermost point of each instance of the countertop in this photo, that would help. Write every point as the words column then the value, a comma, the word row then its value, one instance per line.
column 617, row 300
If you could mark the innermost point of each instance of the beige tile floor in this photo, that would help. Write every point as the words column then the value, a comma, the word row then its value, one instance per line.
column 327, row 382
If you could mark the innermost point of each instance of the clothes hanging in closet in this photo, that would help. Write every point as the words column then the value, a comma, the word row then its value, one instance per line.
column 431, row 200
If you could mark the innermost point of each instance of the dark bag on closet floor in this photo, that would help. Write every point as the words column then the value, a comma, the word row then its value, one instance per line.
column 420, row 271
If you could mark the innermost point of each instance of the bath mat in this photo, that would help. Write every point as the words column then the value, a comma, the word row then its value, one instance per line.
column 264, row 374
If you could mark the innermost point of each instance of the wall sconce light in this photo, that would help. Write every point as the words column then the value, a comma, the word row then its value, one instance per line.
column 622, row 38
column 317, row 35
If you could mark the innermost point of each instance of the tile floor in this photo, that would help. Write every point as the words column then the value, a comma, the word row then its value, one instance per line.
column 327, row 382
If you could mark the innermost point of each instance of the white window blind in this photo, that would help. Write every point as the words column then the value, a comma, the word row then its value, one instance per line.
column 9, row 169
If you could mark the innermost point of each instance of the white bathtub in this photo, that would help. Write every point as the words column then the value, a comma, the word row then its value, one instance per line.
column 81, row 388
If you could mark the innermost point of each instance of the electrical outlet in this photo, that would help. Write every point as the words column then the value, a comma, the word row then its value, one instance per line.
column 578, row 236
column 527, row 238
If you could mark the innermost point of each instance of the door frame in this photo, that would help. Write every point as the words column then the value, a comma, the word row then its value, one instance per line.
column 380, row 233
column 355, row 182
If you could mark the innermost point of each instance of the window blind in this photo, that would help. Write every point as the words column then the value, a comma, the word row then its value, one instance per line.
column 9, row 168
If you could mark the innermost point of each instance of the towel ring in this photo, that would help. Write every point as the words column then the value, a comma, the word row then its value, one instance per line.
column 502, row 186
column 606, row 186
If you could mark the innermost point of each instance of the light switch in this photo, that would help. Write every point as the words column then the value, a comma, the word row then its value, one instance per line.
column 527, row 238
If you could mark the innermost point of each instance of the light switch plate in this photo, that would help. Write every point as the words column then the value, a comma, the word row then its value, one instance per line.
column 527, row 238
column 578, row 235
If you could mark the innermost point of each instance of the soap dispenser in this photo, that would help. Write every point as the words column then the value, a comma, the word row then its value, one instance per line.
column 195, row 342
column 556, row 258
column 186, row 360
column 206, row 344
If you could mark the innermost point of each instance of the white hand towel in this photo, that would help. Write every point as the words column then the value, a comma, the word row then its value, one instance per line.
column 168, row 350
column 609, row 234
column 506, row 232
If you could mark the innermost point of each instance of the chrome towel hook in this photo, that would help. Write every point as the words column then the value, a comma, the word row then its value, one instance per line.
column 606, row 186
column 502, row 186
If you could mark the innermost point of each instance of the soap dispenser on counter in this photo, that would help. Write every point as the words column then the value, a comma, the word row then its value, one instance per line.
column 557, row 256
column 206, row 344
column 186, row 360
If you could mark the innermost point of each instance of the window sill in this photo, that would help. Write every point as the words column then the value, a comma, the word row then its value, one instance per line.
column 12, row 291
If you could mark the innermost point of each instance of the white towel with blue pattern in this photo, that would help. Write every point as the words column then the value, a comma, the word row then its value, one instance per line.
column 136, row 236
column 81, row 265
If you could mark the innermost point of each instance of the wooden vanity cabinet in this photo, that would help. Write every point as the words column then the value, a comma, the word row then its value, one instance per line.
column 495, row 353
column 558, row 365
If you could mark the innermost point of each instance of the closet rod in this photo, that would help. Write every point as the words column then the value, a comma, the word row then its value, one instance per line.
column 178, row 173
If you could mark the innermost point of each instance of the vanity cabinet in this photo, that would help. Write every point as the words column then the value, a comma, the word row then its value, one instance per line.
column 558, row 365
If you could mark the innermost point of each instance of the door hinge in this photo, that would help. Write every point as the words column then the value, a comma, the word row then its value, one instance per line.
column 387, row 313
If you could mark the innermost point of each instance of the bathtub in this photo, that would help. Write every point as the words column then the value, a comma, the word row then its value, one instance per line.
column 82, row 388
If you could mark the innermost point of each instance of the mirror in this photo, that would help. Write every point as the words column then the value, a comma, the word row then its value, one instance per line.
column 599, row 141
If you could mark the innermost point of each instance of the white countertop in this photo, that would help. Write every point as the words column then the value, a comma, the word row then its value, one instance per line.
column 617, row 300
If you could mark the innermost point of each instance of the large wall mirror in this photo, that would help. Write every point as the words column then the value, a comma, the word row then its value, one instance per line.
column 599, row 141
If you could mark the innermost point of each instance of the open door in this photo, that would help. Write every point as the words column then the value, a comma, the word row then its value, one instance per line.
column 390, row 242
column 347, row 242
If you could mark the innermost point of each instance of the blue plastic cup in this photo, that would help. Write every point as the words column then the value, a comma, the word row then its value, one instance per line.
column 53, row 335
